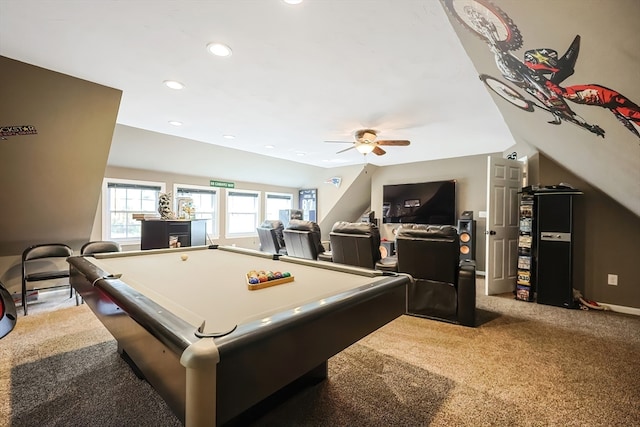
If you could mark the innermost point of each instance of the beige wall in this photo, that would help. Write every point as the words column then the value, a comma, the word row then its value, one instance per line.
column 50, row 181
column 170, row 179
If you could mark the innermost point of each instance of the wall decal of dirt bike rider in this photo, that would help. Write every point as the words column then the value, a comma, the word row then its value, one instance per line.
column 546, row 61
column 541, row 72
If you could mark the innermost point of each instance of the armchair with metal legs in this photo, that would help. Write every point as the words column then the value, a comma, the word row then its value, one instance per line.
column 42, row 263
column 98, row 247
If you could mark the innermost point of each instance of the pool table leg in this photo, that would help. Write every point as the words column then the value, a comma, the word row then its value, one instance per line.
column 200, row 360
column 317, row 374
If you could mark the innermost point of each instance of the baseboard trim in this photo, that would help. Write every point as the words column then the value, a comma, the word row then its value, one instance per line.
column 622, row 309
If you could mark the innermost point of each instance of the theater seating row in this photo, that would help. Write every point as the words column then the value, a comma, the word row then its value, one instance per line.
column 443, row 286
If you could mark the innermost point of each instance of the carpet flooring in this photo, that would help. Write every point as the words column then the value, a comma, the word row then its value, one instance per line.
column 526, row 364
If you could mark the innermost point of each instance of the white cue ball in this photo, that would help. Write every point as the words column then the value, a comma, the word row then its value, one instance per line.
column 184, row 257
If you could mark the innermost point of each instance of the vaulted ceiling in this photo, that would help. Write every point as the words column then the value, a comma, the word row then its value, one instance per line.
column 319, row 70
column 298, row 75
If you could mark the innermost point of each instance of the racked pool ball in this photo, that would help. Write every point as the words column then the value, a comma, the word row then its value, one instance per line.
column 286, row 274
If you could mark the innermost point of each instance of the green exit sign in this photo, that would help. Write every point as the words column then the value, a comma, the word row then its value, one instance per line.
column 222, row 184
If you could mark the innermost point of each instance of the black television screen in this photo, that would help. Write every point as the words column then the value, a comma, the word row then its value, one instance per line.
column 420, row 203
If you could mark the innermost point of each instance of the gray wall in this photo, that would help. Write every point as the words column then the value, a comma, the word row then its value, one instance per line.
column 354, row 201
column 470, row 174
column 605, row 234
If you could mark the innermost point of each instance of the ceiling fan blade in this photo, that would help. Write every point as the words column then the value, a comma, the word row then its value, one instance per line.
column 378, row 151
column 393, row 142
column 346, row 149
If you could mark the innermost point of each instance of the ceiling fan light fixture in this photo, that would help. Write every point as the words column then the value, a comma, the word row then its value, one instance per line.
column 365, row 148
column 368, row 137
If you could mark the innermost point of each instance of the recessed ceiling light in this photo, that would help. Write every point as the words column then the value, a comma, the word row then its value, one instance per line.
column 293, row 1
column 173, row 84
column 300, row 154
column 219, row 49
column 228, row 136
column 175, row 123
column 269, row 146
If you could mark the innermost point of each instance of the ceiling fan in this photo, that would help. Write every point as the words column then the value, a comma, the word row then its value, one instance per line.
column 366, row 142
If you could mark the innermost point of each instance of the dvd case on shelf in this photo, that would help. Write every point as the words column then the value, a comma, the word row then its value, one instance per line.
column 524, row 288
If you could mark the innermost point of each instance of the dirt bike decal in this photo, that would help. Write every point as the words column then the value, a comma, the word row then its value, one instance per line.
column 541, row 73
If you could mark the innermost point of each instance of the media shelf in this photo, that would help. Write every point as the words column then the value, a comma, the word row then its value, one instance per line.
column 525, row 289
column 545, row 245
column 159, row 233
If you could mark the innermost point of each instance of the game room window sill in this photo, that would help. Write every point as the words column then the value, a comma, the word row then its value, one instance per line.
column 127, row 242
column 239, row 235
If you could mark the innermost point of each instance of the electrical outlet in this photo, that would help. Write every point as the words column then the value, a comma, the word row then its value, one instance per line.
column 612, row 279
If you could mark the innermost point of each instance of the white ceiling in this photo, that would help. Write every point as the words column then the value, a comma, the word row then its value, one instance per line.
column 299, row 74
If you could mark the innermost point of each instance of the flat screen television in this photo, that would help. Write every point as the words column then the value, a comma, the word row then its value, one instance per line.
column 420, row 203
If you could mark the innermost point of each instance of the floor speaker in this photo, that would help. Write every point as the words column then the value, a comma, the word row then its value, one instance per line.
column 467, row 233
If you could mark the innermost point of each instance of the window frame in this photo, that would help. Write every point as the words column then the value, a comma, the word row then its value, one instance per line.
column 215, row 234
column 278, row 195
column 106, row 211
column 228, row 213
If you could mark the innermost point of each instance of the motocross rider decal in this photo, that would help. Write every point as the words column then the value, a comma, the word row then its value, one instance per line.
column 541, row 72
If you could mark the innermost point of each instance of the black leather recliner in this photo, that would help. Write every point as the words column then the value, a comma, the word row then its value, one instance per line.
column 303, row 239
column 444, row 287
column 271, row 236
column 358, row 244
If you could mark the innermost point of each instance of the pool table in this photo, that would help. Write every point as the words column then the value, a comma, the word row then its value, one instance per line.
column 186, row 321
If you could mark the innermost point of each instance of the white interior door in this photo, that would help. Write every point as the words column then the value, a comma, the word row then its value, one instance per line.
column 504, row 181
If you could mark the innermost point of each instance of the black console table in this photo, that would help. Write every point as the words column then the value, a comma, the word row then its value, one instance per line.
column 157, row 233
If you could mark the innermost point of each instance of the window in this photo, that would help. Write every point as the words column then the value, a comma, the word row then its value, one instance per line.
column 243, row 211
column 276, row 202
column 120, row 200
column 205, row 202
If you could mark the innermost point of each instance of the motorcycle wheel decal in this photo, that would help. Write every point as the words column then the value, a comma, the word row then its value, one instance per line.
column 506, row 92
column 481, row 17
